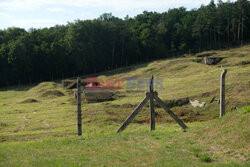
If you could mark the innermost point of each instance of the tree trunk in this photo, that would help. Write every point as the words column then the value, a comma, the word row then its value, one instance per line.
column 215, row 42
column 210, row 36
column 242, row 26
column 219, row 41
column 113, row 54
column 200, row 40
column 238, row 36
column 122, row 50
column 228, row 32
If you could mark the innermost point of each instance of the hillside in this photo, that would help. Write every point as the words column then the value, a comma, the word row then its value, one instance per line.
column 38, row 122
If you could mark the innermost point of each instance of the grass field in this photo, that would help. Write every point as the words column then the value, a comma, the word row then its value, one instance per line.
column 38, row 122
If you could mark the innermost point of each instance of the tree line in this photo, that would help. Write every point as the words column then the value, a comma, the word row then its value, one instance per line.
column 108, row 42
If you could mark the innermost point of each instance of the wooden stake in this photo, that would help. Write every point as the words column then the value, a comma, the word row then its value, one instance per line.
column 151, row 104
column 135, row 112
column 161, row 103
column 222, row 92
column 79, row 107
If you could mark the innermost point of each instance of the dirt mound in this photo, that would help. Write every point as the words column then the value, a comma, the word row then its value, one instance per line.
column 52, row 93
column 46, row 89
column 42, row 87
column 29, row 101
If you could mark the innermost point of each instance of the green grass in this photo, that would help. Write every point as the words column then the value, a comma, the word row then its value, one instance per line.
column 205, row 158
column 38, row 122
column 245, row 110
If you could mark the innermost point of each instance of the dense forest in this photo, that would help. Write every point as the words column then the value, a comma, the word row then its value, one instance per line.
column 90, row 46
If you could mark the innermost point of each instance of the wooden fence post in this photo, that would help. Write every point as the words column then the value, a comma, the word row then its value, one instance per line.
column 222, row 92
column 79, row 107
column 151, row 104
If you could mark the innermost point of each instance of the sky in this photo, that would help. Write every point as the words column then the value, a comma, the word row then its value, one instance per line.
column 47, row 13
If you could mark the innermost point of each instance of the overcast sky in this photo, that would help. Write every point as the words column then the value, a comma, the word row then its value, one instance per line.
column 47, row 13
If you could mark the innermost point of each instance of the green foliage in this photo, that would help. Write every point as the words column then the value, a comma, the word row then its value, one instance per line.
column 108, row 42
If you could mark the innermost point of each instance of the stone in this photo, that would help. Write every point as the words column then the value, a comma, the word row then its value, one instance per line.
column 196, row 103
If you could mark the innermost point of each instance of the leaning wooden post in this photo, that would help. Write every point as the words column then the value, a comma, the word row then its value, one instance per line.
column 134, row 113
column 79, row 107
column 222, row 92
column 151, row 104
column 161, row 103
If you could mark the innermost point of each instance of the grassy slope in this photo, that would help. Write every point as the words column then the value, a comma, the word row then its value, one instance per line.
column 37, row 123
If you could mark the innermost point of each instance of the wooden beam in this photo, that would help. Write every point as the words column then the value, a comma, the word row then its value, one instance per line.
column 161, row 103
column 135, row 112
